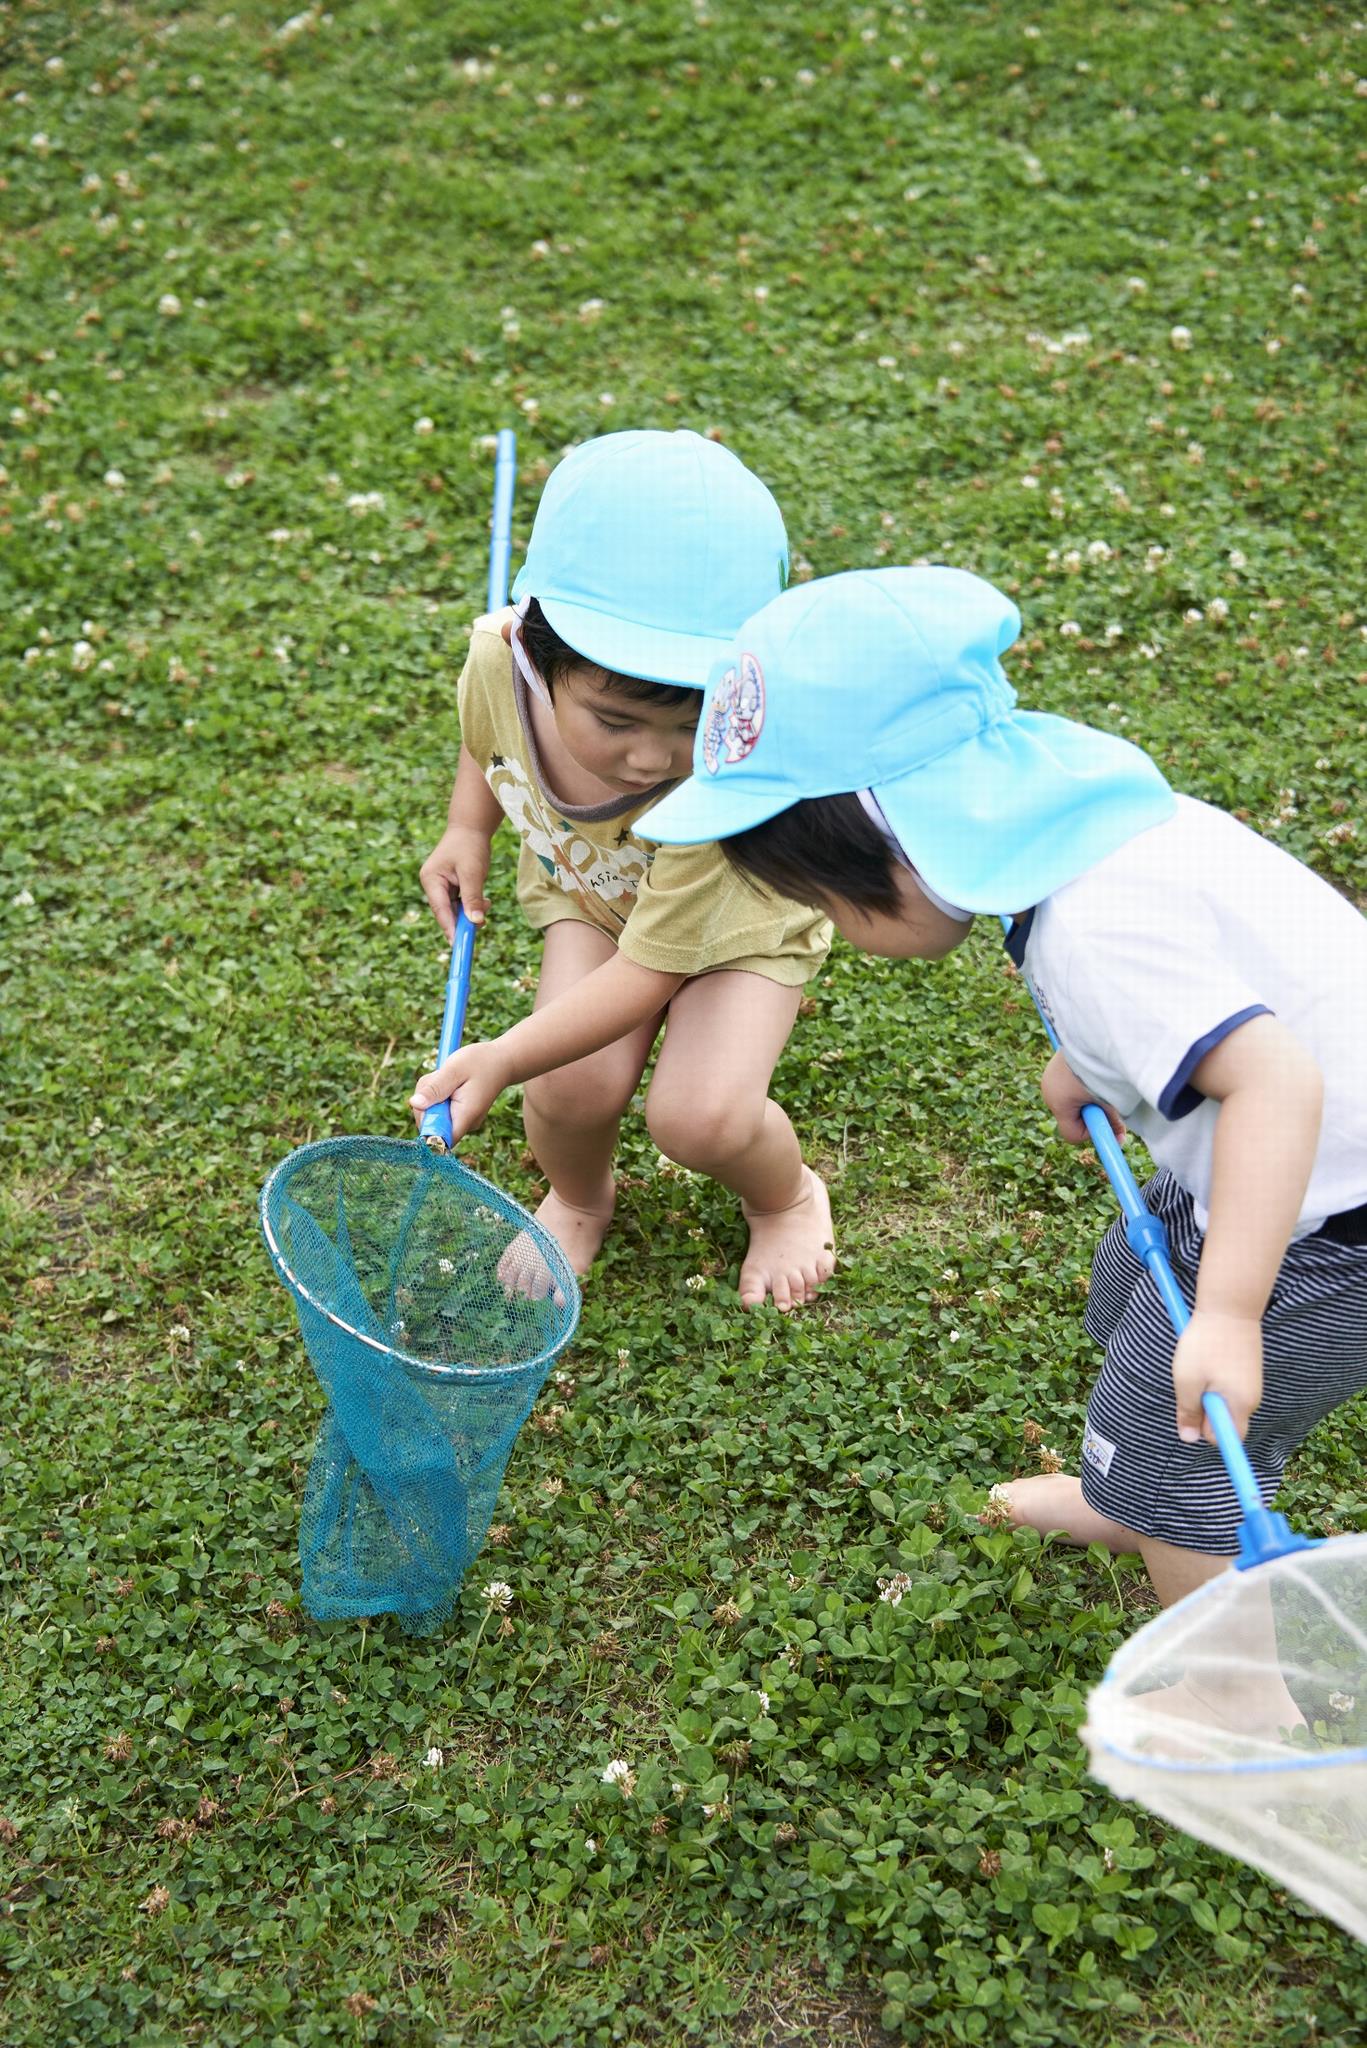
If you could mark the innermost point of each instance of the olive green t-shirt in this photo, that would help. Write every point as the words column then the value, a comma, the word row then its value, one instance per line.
column 676, row 909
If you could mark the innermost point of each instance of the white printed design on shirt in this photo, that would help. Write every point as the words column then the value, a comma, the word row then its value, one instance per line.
column 569, row 858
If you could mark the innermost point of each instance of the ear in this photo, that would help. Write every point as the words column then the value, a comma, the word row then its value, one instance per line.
column 506, row 629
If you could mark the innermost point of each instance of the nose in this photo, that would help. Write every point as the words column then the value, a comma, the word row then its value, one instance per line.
column 649, row 757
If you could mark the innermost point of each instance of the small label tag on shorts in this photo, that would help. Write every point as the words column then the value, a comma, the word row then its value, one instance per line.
column 1097, row 1451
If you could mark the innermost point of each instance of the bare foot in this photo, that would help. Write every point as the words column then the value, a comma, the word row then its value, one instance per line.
column 578, row 1232
column 1203, row 1723
column 791, row 1250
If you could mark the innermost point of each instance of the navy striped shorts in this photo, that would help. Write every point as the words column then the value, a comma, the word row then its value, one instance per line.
column 1134, row 1468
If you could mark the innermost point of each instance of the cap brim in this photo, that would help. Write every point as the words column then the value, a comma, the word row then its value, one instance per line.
column 701, row 810
column 650, row 652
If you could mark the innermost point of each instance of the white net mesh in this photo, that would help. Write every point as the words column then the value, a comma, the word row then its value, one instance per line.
column 1241, row 1715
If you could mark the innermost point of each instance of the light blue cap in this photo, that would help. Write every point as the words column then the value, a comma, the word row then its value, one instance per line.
column 650, row 550
column 891, row 680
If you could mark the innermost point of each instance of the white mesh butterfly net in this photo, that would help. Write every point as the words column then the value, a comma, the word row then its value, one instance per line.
column 1241, row 1715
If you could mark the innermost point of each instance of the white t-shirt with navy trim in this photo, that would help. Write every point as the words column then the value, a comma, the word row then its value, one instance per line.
column 1151, row 958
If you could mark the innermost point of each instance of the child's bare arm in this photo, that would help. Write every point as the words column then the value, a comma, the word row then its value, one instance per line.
column 597, row 1011
column 456, row 868
column 1270, row 1093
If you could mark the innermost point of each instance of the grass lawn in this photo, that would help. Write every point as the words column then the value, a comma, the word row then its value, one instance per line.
column 1066, row 293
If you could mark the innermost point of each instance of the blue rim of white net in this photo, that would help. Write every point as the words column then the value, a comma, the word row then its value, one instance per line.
column 546, row 1246
column 1286, row 1760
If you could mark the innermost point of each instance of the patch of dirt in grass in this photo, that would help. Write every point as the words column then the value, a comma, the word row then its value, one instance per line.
column 787, row 2009
column 72, row 1212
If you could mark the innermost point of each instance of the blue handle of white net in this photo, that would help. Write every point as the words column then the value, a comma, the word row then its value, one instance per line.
column 1263, row 1534
column 435, row 1128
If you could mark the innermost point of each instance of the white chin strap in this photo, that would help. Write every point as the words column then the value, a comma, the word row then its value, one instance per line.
column 520, row 655
column 873, row 811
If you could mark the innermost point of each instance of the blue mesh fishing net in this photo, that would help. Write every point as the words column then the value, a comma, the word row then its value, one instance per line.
column 433, row 1307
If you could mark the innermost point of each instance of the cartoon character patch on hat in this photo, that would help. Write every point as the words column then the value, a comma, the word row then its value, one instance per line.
column 736, row 715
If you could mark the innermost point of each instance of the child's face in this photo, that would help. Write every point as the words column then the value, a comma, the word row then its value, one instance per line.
column 630, row 744
column 916, row 930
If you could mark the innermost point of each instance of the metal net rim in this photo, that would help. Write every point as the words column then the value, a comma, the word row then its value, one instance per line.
column 546, row 1246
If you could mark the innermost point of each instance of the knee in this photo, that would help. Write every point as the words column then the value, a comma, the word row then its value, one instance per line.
column 701, row 1136
column 572, row 1102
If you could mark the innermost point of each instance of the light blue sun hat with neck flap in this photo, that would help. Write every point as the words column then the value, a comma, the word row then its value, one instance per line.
column 890, row 680
column 650, row 549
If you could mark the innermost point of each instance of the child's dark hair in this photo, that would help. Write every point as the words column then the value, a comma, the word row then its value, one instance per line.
column 553, row 657
column 825, row 850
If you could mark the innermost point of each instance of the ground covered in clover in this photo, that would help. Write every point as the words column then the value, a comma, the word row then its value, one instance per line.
column 1064, row 294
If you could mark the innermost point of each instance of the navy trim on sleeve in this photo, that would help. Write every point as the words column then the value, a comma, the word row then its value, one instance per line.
column 1179, row 1098
column 1017, row 937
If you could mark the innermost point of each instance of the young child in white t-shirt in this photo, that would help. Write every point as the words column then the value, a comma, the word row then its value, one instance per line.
column 1206, row 989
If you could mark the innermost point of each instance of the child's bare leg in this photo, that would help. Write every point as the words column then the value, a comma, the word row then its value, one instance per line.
column 709, row 1109
column 571, row 1116
column 1052, row 1502
column 1245, row 1691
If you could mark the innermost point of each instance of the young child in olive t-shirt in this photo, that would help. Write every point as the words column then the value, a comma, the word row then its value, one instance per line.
column 578, row 709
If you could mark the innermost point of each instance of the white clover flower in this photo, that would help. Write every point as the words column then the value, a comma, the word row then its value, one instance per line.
column 1193, row 616
column 890, row 1591
column 1070, row 629
column 1114, row 632
column 82, row 655
column 279, row 535
column 424, row 426
column 763, row 1698
column 23, row 901
column 606, row 399
column 169, row 306
column 1180, row 337
column 1341, row 1702
column 589, row 309
column 804, row 77
column 362, row 502
column 434, row 1760
column 180, row 1333
column 1218, row 610
column 1135, row 284
column 1029, row 483
column 620, row 1773
column 498, row 1594
column 115, row 479
column 443, row 1265
column 590, row 1845
column 1099, row 551
column 1238, row 559
column 623, row 1356
column 696, row 1282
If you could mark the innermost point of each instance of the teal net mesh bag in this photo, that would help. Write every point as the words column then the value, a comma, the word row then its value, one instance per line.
column 433, row 1307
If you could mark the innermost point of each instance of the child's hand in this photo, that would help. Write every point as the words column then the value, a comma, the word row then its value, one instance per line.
column 473, row 1078
column 1065, row 1097
column 1217, row 1354
column 455, row 871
